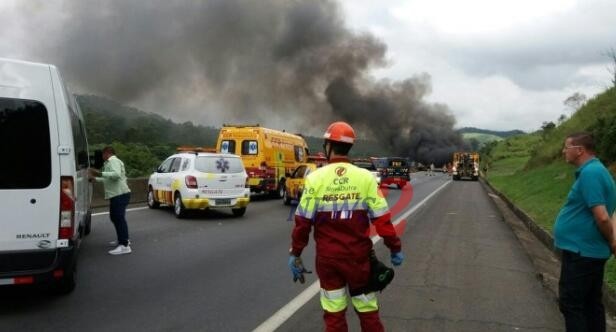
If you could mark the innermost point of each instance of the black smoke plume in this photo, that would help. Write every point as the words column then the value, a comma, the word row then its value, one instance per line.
column 292, row 64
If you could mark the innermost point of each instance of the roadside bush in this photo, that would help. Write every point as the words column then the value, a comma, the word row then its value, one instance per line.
column 605, row 136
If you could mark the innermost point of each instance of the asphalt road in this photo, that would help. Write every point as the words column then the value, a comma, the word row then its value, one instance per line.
column 464, row 271
column 213, row 272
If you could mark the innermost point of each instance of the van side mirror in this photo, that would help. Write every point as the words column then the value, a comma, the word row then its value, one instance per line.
column 96, row 160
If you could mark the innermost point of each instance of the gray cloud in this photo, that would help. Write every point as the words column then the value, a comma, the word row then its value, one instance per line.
column 544, row 54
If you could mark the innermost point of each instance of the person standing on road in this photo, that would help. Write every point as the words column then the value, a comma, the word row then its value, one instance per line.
column 583, row 232
column 113, row 177
column 340, row 201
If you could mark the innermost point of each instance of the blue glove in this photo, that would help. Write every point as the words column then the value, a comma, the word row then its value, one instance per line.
column 297, row 269
column 397, row 258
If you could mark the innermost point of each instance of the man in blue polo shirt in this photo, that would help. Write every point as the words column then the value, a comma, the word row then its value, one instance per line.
column 583, row 232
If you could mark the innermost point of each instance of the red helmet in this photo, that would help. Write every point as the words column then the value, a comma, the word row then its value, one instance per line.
column 340, row 132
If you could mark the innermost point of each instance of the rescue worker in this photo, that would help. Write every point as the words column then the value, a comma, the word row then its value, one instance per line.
column 340, row 201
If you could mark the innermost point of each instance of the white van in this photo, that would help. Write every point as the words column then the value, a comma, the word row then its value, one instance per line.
column 44, row 190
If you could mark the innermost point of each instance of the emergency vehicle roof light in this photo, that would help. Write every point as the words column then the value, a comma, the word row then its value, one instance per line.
column 194, row 149
column 240, row 125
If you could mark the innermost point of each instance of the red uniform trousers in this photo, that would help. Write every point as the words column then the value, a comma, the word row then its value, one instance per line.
column 337, row 273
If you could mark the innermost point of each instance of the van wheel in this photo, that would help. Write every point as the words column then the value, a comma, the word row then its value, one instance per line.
column 67, row 283
column 88, row 228
column 238, row 212
column 279, row 192
column 286, row 200
column 152, row 203
column 178, row 208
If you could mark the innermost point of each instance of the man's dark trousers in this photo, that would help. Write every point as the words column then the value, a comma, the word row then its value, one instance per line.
column 580, row 285
column 117, row 214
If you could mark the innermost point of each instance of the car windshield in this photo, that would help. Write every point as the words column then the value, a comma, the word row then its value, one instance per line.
column 218, row 164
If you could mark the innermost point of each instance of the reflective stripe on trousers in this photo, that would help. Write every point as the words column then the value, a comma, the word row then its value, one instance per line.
column 333, row 300
column 336, row 301
column 365, row 302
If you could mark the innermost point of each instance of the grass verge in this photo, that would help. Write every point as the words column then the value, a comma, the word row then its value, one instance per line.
column 540, row 191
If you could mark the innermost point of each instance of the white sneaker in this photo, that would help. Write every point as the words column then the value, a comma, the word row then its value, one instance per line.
column 115, row 243
column 120, row 250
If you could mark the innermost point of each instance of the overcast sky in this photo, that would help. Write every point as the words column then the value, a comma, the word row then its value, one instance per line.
column 496, row 64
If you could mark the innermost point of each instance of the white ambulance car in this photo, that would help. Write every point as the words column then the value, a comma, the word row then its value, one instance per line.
column 193, row 180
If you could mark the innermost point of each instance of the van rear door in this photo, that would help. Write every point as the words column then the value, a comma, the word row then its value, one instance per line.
column 222, row 176
column 29, row 171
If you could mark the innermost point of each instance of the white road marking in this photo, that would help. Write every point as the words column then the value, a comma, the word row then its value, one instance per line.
column 284, row 313
column 127, row 210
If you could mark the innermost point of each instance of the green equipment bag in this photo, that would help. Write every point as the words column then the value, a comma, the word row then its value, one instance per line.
column 380, row 276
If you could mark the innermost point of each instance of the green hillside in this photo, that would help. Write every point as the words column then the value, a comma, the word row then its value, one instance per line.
column 530, row 171
column 142, row 140
column 108, row 120
column 502, row 134
column 478, row 140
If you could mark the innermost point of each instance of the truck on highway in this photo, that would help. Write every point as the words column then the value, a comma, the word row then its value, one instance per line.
column 465, row 165
column 393, row 170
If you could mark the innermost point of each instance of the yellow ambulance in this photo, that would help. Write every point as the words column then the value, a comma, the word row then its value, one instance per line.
column 269, row 155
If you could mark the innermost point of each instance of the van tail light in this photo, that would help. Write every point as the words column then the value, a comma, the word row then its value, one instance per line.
column 67, row 208
column 25, row 280
column 191, row 182
column 58, row 274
